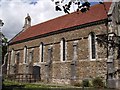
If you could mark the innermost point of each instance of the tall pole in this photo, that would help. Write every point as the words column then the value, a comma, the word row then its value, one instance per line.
column 1, row 24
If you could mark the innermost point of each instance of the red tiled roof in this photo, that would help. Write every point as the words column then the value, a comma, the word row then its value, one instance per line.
column 96, row 13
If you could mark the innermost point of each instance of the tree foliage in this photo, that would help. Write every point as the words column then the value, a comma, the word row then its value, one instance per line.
column 65, row 5
column 4, row 45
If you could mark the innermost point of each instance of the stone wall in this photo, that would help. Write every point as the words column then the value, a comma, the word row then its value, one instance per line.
column 60, row 72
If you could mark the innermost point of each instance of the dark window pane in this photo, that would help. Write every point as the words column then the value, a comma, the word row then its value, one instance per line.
column 41, row 52
column 93, row 46
column 63, row 49
column 25, row 54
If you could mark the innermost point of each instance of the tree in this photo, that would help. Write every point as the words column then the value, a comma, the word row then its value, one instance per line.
column 82, row 5
column 4, row 45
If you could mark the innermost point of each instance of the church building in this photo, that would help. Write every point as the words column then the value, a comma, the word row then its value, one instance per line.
column 69, row 48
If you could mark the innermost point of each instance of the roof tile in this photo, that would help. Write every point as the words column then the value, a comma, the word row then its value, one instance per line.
column 96, row 12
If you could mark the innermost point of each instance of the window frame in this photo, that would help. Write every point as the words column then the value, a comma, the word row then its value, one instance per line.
column 25, row 55
column 17, row 57
column 63, row 49
column 41, row 52
column 31, row 55
column 92, row 46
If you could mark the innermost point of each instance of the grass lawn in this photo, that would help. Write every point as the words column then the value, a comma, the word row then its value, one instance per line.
column 12, row 85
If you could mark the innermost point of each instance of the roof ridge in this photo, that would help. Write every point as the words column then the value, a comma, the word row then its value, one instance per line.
column 65, row 21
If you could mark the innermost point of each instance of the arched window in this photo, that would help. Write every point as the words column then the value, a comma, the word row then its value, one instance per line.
column 41, row 52
column 17, row 57
column 92, row 46
column 25, row 55
column 31, row 55
column 63, row 50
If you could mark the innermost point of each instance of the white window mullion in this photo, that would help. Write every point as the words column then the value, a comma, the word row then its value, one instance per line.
column 96, row 47
column 90, row 54
column 65, row 51
column 61, row 50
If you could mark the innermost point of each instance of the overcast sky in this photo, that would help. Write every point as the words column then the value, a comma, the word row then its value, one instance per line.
column 13, row 12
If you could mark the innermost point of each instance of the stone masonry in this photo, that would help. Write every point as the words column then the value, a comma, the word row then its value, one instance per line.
column 77, row 65
column 61, row 71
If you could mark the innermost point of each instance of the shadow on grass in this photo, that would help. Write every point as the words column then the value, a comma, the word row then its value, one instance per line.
column 13, row 87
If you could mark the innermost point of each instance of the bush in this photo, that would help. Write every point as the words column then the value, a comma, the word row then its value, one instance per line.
column 98, row 82
column 77, row 84
column 85, row 83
